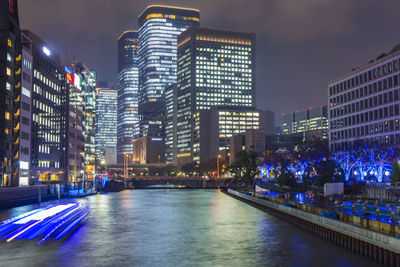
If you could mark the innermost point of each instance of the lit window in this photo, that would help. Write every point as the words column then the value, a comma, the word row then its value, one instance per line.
column 9, row 43
column 8, row 117
column 9, row 57
column 8, row 71
column 8, row 86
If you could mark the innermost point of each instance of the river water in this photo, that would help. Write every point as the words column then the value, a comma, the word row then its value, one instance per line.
column 176, row 228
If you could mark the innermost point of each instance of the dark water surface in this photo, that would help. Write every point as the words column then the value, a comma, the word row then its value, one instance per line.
column 176, row 228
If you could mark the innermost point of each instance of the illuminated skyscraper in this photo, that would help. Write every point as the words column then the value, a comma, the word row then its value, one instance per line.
column 159, row 27
column 127, row 117
column 106, row 119
column 215, row 68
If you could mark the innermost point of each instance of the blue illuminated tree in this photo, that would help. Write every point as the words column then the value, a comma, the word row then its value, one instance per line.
column 362, row 166
column 266, row 170
column 381, row 163
column 346, row 162
column 299, row 168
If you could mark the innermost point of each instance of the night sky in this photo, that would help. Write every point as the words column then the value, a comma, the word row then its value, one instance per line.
column 301, row 44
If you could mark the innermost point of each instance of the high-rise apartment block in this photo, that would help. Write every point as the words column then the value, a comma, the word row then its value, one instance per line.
column 364, row 105
column 128, row 73
column 159, row 27
column 312, row 119
column 215, row 68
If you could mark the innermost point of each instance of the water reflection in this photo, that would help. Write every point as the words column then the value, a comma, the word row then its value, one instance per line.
column 177, row 228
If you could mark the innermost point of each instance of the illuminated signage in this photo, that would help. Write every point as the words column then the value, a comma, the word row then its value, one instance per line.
column 69, row 77
column 156, row 139
column 77, row 81
column 46, row 51
column 24, row 165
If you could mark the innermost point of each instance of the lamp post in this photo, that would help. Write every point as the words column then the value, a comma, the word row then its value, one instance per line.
column 219, row 156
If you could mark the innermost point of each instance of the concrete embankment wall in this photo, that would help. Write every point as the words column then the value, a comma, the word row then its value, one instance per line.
column 17, row 196
column 382, row 248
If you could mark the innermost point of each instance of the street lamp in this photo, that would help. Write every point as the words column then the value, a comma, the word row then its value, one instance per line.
column 219, row 156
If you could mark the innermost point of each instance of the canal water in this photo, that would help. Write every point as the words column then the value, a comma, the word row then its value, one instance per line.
column 176, row 228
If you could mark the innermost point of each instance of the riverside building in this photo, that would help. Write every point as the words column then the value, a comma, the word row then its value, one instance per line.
column 364, row 105
column 215, row 68
column 49, row 109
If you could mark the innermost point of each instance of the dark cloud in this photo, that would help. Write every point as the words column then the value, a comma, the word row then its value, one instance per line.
column 301, row 44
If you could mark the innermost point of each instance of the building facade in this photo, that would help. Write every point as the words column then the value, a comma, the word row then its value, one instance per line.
column 48, row 143
column 10, row 90
column 148, row 150
column 106, row 119
column 128, row 72
column 159, row 27
column 251, row 140
column 303, row 121
column 85, row 82
column 170, row 124
column 212, row 130
column 25, row 115
column 75, row 121
column 215, row 68
column 364, row 105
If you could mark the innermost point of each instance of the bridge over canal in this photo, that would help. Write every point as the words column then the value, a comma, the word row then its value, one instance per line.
column 175, row 182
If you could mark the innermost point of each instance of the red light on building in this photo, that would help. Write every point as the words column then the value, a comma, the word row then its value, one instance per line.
column 69, row 77
column 11, row 6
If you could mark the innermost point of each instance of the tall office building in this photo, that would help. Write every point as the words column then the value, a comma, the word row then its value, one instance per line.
column 85, row 82
column 106, row 119
column 364, row 105
column 312, row 119
column 74, row 127
column 127, row 92
column 170, row 124
column 25, row 115
column 10, row 91
column 48, row 112
column 159, row 28
column 215, row 68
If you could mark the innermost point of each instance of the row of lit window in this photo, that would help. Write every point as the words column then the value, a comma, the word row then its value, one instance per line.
column 45, row 80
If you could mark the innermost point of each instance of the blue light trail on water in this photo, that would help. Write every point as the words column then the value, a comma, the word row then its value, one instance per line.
column 52, row 221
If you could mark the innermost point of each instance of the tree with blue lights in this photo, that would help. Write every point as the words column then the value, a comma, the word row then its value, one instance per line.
column 346, row 161
column 362, row 166
column 299, row 168
column 381, row 163
column 266, row 170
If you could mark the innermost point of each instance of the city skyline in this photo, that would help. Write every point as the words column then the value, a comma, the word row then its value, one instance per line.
column 326, row 47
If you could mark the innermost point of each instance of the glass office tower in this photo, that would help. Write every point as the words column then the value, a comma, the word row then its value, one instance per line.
column 106, row 119
column 159, row 27
column 215, row 68
column 127, row 117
